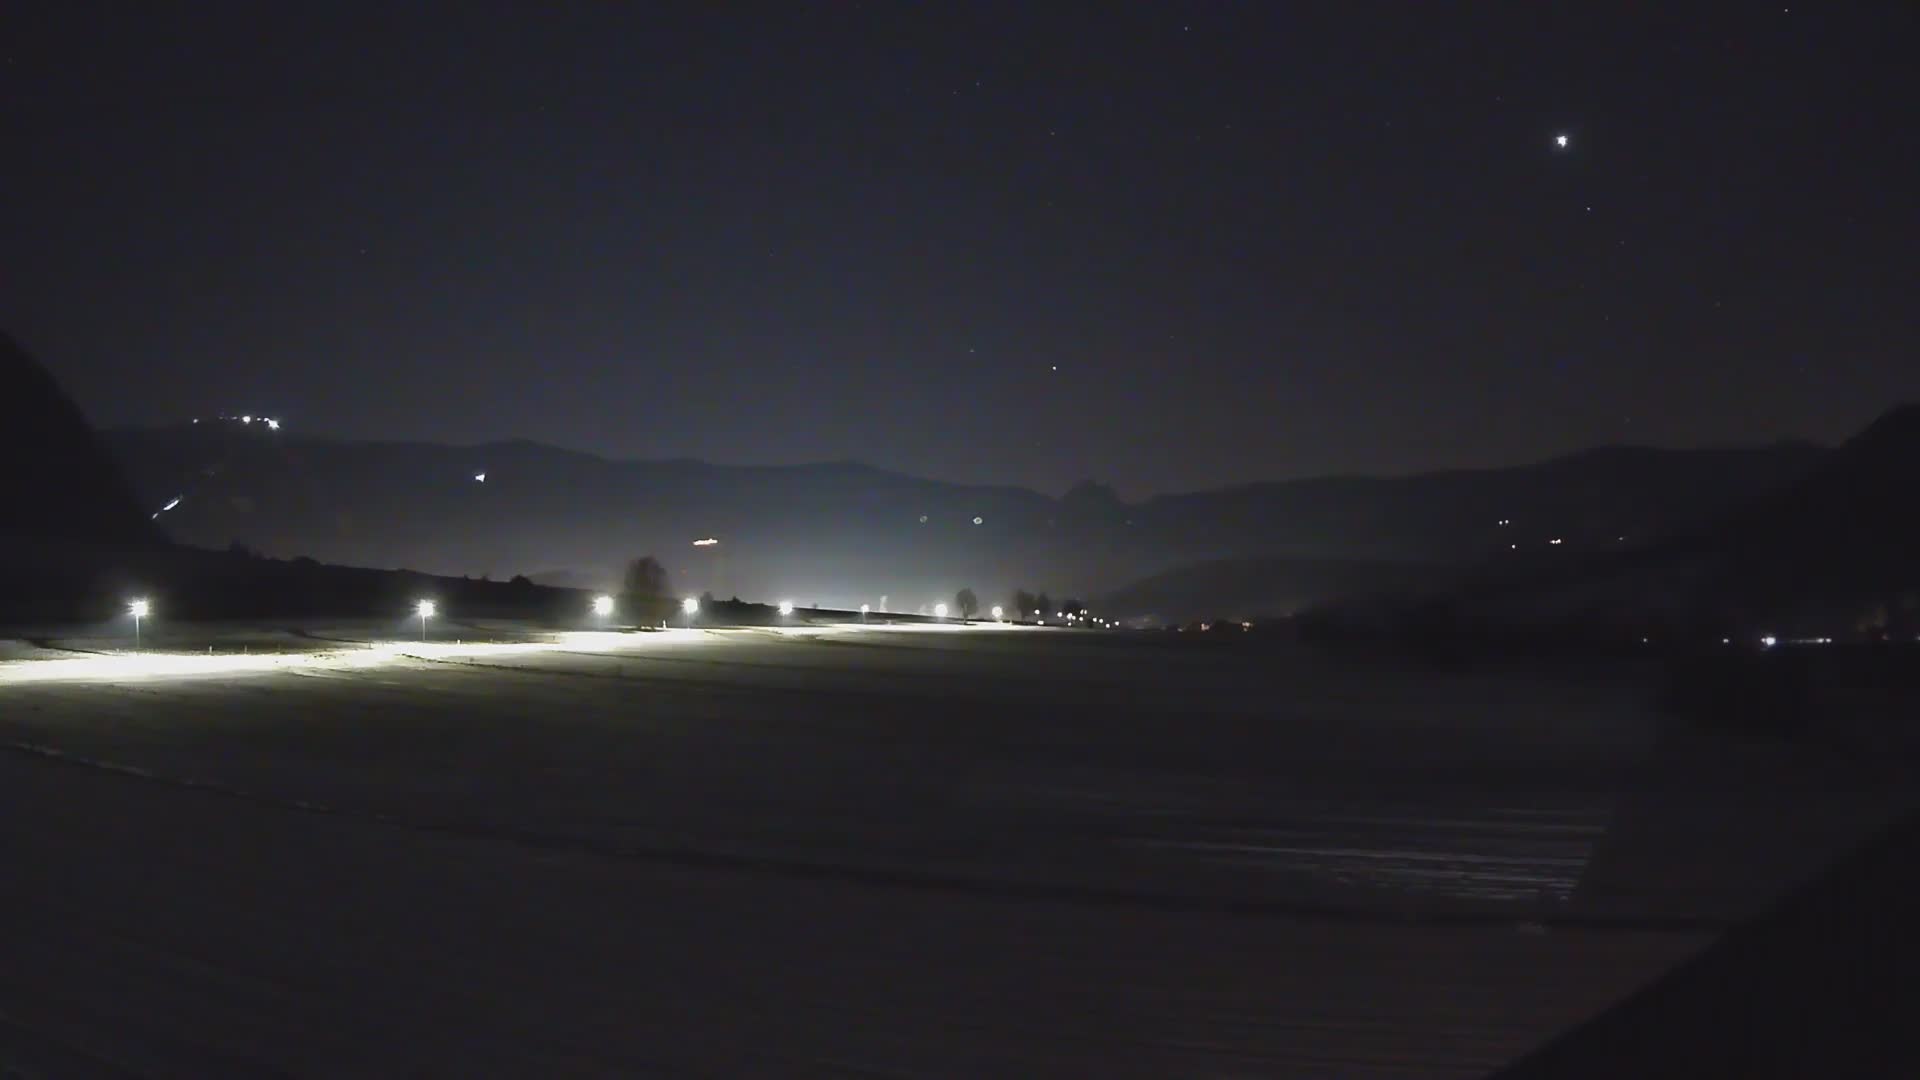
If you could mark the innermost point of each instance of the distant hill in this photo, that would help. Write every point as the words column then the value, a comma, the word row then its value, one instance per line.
column 846, row 533
column 70, row 525
column 1845, row 538
column 1833, row 552
column 76, row 543
column 59, row 482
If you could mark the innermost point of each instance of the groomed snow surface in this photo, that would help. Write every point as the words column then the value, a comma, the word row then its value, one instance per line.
column 931, row 851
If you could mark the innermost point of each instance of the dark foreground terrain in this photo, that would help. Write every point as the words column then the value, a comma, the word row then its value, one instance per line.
column 885, row 851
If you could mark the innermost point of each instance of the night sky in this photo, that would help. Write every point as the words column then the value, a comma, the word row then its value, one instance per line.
column 1167, row 246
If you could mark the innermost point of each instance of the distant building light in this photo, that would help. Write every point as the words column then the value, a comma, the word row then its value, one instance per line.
column 246, row 419
column 1769, row 641
column 272, row 424
column 1556, row 540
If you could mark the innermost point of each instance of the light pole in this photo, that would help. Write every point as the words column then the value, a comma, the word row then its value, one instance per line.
column 603, row 606
column 138, row 609
column 425, row 610
column 691, row 606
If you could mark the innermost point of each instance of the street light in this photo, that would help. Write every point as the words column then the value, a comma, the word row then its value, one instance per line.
column 786, row 607
column 997, row 613
column 939, row 611
column 603, row 606
column 425, row 609
column 690, row 606
column 863, row 612
column 138, row 609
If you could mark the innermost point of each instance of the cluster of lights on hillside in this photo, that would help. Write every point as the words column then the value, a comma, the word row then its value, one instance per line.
column 272, row 423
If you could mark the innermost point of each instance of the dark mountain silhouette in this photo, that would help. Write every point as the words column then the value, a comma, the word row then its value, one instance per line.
column 1845, row 539
column 76, row 544
column 846, row 533
column 60, row 483
column 1836, row 551
column 70, row 527
column 1859, row 502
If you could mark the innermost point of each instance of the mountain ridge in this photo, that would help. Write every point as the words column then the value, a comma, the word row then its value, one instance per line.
column 850, row 532
column 1583, row 455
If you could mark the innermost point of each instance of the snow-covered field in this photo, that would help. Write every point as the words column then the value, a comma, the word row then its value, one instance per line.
column 935, row 851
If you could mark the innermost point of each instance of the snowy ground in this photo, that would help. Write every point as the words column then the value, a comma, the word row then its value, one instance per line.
column 934, row 851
